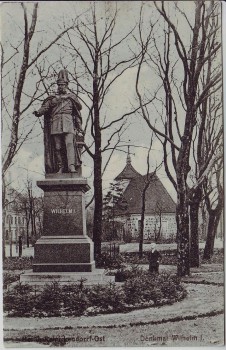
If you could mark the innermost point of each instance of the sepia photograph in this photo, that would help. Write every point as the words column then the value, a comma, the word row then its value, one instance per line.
column 112, row 145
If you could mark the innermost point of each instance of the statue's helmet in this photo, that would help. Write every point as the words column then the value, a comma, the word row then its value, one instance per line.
column 63, row 77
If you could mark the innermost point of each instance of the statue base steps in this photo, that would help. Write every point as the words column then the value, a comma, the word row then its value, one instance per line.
column 40, row 279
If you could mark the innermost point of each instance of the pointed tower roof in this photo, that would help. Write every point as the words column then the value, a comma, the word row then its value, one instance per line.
column 156, row 196
column 128, row 172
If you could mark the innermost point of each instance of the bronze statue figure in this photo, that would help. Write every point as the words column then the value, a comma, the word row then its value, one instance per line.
column 63, row 134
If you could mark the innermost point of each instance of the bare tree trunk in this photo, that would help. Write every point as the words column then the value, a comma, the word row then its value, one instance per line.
column 27, row 224
column 141, row 235
column 214, row 214
column 97, row 222
column 158, row 232
column 34, row 218
column 40, row 226
column 3, row 236
column 148, row 179
column 31, row 214
column 209, row 246
column 194, row 227
column 194, row 245
column 4, row 217
column 204, row 222
column 182, row 219
column 183, row 251
column 10, row 238
column 214, row 219
column 28, row 241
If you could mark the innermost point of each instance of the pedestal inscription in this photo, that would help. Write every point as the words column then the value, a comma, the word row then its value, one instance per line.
column 64, row 245
column 64, row 211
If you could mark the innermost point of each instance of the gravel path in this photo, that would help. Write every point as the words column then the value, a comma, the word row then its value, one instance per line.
column 199, row 332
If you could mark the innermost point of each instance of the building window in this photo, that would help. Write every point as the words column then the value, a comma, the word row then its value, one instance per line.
column 15, row 220
column 19, row 222
column 11, row 219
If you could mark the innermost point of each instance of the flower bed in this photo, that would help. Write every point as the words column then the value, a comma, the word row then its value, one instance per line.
column 138, row 291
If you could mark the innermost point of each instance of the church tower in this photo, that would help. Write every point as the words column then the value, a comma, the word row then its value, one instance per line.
column 128, row 173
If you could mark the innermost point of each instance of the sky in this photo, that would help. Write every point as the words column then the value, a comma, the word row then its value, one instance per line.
column 29, row 163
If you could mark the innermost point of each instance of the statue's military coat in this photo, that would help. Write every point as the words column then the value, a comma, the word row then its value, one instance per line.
column 61, row 115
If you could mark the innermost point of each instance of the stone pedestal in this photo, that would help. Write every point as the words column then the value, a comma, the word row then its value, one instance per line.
column 64, row 250
column 63, row 254
column 64, row 246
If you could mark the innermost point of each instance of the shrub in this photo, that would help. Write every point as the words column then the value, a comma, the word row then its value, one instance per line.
column 74, row 299
column 19, row 301
column 122, row 275
column 128, row 237
column 125, row 273
column 115, row 297
column 9, row 278
column 49, row 301
column 133, row 290
column 147, row 287
column 107, row 298
column 168, row 286
column 171, row 287
column 17, row 263
column 106, row 261
column 140, row 289
column 97, row 296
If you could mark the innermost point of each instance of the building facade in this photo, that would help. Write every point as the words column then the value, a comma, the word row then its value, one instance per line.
column 160, row 209
column 14, row 220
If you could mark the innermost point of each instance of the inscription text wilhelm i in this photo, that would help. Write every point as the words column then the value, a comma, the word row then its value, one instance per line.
column 62, row 211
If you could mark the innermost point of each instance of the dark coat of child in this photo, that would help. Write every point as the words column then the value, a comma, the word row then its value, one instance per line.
column 153, row 257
